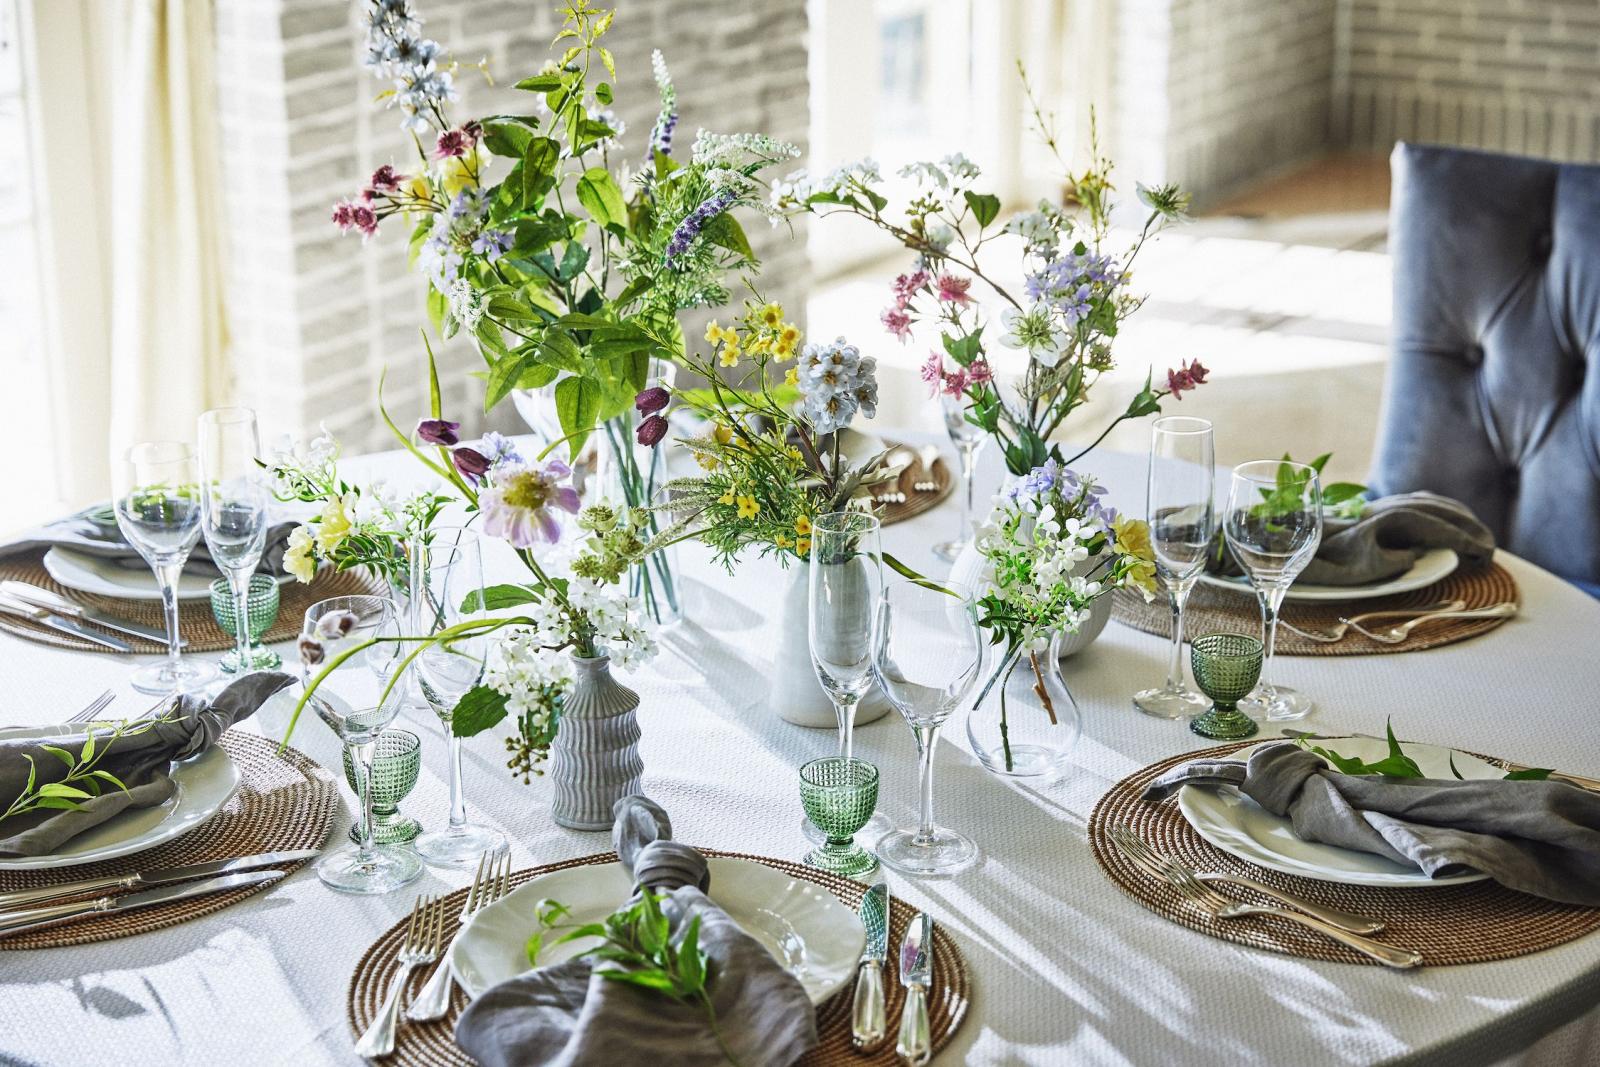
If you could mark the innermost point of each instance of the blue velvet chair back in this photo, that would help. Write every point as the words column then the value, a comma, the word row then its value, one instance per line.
column 1493, row 393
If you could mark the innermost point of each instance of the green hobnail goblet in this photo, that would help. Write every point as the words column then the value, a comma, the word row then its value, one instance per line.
column 263, row 612
column 1226, row 668
column 395, row 766
column 840, row 796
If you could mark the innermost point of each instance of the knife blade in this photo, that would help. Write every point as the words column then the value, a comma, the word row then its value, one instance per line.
column 33, row 918
column 50, row 601
column 13, row 606
column 869, row 1023
column 113, row 883
column 915, row 1045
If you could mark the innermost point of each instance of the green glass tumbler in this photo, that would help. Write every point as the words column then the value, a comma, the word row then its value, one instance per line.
column 262, row 608
column 1226, row 668
column 839, row 796
column 396, row 762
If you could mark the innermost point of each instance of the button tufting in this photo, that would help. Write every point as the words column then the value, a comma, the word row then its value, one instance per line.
column 1473, row 355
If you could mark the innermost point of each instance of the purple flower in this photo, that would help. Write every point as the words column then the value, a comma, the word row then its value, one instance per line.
column 385, row 180
column 651, row 431
column 451, row 143
column 519, row 507
column 499, row 449
column 492, row 244
column 696, row 221
column 439, row 431
column 652, row 400
column 472, row 464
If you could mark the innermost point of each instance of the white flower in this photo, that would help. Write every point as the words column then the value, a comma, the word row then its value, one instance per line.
column 465, row 304
column 1036, row 331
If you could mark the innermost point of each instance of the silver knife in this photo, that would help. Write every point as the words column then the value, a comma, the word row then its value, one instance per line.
column 44, row 598
column 32, row 918
column 869, row 1022
column 915, row 1046
column 113, row 883
column 39, row 615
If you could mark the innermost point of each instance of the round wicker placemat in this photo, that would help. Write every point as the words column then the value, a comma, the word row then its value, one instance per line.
column 916, row 501
column 1212, row 610
column 1471, row 923
column 196, row 622
column 283, row 803
column 432, row 1044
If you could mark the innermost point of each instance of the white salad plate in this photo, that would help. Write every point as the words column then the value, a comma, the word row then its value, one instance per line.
column 1240, row 827
column 1432, row 565
column 95, row 575
column 805, row 927
column 205, row 783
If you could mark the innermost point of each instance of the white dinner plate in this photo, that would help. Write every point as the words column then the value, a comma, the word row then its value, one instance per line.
column 805, row 927
column 1432, row 565
column 205, row 782
column 84, row 573
column 1241, row 827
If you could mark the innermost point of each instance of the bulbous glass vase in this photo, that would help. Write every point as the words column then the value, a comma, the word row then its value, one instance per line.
column 1023, row 722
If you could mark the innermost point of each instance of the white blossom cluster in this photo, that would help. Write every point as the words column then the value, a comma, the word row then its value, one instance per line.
column 791, row 193
column 952, row 173
column 527, row 657
column 466, row 305
column 1041, row 230
column 835, row 382
column 729, row 149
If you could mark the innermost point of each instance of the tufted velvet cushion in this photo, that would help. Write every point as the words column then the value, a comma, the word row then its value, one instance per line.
column 1493, row 393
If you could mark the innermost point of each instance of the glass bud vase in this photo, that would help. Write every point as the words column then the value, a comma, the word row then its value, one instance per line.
column 1023, row 722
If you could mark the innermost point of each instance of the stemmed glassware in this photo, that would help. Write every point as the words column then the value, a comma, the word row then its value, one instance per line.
column 927, row 655
column 234, row 500
column 446, row 569
column 1273, row 527
column 1182, row 524
column 158, row 509
column 358, row 709
column 969, row 441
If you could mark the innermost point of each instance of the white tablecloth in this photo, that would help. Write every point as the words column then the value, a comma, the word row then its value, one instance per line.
column 1065, row 968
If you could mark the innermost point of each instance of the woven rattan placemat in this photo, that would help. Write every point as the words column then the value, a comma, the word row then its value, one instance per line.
column 431, row 1044
column 1212, row 610
column 916, row 500
column 196, row 622
column 284, row 803
column 1471, row 923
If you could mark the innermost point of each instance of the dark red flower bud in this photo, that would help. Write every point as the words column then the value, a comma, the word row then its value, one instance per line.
column 470, row 462
column 439, row 431
column 652, row 430
column 652, row 400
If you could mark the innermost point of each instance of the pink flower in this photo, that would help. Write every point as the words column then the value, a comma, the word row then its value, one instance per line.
column 952, row 289
column 906, row 287
column 385, row 180
column 451, row 143
column 932, row 372
column 1197, row 373
column 349, row 215
column 344, row 215
column 519, row 507
column 897, row 322
column 1181, row 379
column 980, row 372
column 956, row 382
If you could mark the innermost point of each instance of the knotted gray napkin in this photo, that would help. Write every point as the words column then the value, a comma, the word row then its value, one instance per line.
column 104, row 540
column 141, row 761
column 1541, row 838
column 568, row 1015
column 1391, row 534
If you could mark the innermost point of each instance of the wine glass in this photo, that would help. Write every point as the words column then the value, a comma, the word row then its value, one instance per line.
column 358, row 705
column 927, row 654
column 447, row 589
column 158, row 510
column 969, row 441
column 233, row 515
column 1182, row 524
column 1273, row 527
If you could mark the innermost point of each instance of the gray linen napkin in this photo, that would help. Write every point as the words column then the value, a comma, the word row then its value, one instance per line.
column 142, row 761
column 1541, row 838
column 1391, row 534
column 82, row 534
column 567, row 1015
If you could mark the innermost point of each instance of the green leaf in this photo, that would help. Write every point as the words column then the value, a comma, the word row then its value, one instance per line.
column 599, row 195
column 985, row 207
column 691, row 963
column 61, row 754
column 508, row 135
column 1531, row 774
column 586, row 930
column 497, row 598
column 573, row 260
column 478, row 709
column 559, row 350
column 537, row 376
column 1338, row 492
column 602, row 92
column 725, row 232
column 503, row 377
column 540, row 83
column 531, row 949
column 87, row 753
column 62, row 789
column 578, row 406
column 657, row 980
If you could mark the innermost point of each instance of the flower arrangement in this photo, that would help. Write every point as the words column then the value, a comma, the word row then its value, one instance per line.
column 1075, row 298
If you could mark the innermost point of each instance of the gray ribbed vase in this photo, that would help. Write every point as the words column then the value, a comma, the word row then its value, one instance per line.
column 594, row 760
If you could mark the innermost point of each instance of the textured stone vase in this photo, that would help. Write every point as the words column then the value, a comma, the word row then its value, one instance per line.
column 594, row 761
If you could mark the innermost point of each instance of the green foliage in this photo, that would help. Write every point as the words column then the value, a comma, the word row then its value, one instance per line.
column 83, row 779
column 1396, row 764
column 1343, row 498
column 479, row 709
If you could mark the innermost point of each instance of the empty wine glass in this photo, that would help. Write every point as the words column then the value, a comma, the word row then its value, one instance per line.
column 927, row 655
column 358, row 703
column 446, row 589
column 158, row 510
column 969, row 441
column 1182, row 523
column 234, row 500
column 1273, row 528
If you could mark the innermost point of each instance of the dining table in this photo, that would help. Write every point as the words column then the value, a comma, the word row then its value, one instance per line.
column 1064, row 967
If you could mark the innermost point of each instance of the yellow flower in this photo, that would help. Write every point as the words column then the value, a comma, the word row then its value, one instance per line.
column 782, row 541
column 795, row 454
column 335, row 526
column 706, row 460
column 713, row 332
column 299, row 560
column 415, row 189
column 723, row 434
column 748, row 507
column 789, row 335
column 726, row 498
column 760, row 346
column 793, row 377
column 730, row 354
column 802, row 525
column 803, row 545
column 1132, row 539
column 770, row 316
column 457, row 172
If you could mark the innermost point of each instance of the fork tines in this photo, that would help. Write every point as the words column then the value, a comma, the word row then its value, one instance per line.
column 94, row 707
column 492, row 881
column 1180, row 878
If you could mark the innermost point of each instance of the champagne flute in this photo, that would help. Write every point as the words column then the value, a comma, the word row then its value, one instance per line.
column 1182, row 523
column 158, row 510
column 969, row 441
column 446, row 570
column 1273, row 527
column 927, row 655
column 233, row 511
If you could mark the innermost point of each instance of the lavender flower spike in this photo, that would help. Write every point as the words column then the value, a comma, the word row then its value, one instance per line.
column 696, row 221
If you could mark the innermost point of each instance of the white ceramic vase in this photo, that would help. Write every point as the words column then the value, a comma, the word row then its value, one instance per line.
column 594, row 760
column 977, row 574
column 796, row 695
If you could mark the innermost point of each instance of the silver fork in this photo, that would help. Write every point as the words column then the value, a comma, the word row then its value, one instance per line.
column 94, row 707
column 1400, row 633
column 1220, row 907
column 1334, row 634
column 424, row 935
column 492, row 882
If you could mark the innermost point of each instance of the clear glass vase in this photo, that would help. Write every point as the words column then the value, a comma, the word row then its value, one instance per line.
column 1023, row 722
column 630, row 473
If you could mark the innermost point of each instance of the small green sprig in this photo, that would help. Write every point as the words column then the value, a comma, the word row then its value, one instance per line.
column 84, row 779
column 1396, row 764
column 1346, row 499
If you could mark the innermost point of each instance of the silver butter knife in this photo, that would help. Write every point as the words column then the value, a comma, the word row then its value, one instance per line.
column 13, row 606
column 114, row 883
column 869, row 1019
column 915, row 1046
column 31, row 918
column 44, row 598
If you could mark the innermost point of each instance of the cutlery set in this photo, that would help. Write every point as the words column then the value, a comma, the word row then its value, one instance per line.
column 928, row 454
column 869, row 1024
column 66, row 616
column 1394, row 635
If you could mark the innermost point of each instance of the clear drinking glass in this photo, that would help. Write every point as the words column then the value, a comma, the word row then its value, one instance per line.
column 158, row 510
column 446, row 567
column 234, row 500
column 358, row 703
column 969, row 441
column 927, row 655
column 1273, row 527
column 1182, row 524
